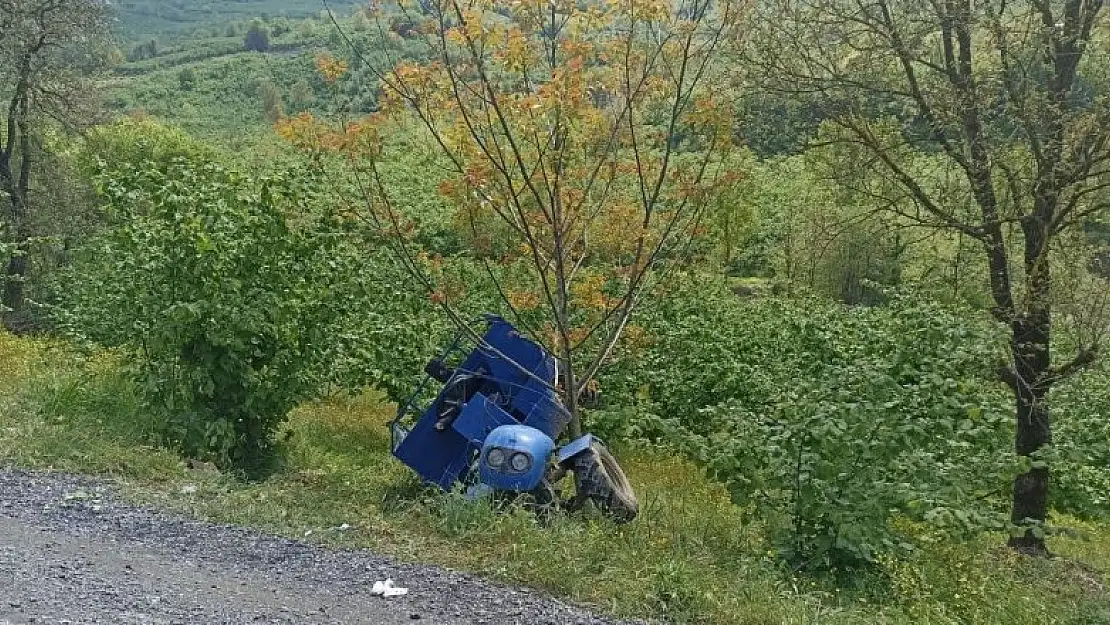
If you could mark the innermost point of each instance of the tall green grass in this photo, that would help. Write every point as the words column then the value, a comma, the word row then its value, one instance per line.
column 68, row 411
column 691, row 557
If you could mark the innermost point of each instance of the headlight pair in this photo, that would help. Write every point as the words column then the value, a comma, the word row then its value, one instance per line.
column 508, row 460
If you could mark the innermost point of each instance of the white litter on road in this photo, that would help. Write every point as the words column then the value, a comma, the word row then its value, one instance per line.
column 387, row 589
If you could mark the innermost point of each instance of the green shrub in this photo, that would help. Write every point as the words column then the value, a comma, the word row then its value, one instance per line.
column 832, row 419
column 257, row 38
column 241, row 295
column 187, row 78
column 1081, row 456
column 221, row 286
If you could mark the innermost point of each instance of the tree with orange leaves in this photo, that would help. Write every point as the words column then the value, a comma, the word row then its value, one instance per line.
column 586, row 138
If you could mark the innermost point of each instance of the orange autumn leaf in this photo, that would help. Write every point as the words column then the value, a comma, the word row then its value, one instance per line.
column 331, row 68
column 303, row 131
column 523, row 300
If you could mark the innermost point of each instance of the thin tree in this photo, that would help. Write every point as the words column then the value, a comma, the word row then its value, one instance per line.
column 48, row 49
column 1007, row 97
column 585, row 143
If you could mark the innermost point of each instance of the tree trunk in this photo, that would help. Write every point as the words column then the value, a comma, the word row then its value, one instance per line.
column 16, row 272
column 18, row 190
column 572, row 399
column 13, row 288
column 566, row 351
column 1030, row 492
column 1030, row 346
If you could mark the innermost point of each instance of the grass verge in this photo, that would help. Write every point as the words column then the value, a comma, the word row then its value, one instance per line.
column 692, row 556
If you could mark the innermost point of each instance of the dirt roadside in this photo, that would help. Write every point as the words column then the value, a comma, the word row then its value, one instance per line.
column 72, row 553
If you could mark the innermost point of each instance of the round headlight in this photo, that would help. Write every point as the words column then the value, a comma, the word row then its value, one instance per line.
column 520, row 462
column 495, row 457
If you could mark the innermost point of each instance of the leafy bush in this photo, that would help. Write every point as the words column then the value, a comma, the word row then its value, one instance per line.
column 216, row 280
column 838, row 420
column 1081, row 455
column 388, row 333
column 187, row 78
column 242, row 295
column 258, row 37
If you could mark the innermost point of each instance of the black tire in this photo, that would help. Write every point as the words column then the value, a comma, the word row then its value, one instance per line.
column 598, row 478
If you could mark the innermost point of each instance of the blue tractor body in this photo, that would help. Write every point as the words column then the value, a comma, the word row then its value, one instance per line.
column 495, row 422
column 505, row 380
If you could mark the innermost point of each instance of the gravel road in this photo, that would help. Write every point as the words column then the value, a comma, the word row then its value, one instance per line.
column 71, row 552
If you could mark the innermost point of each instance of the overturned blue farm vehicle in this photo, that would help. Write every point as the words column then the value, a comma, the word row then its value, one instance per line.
column 494, row 426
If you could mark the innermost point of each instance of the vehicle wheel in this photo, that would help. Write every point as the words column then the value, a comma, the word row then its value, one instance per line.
column 599, row 478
